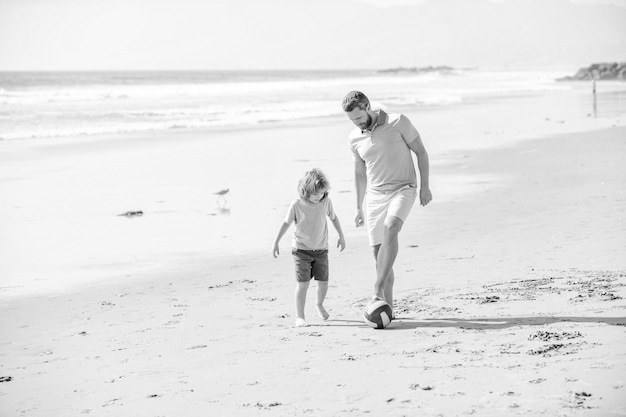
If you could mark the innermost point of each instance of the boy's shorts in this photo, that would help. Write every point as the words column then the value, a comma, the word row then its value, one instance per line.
column 380, row 205
column 310, row 264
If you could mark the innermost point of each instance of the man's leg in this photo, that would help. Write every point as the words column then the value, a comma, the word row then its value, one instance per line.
column 388, row 291
column 385, row 257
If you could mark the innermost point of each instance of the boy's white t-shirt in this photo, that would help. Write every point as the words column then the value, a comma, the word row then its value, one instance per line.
column 311, row 232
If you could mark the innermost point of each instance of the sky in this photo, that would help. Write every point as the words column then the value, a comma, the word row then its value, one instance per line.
column 307, row 34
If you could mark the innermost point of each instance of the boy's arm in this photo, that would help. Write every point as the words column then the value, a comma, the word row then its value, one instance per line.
column 281, row 231
column 424, row 167
column 341, row 242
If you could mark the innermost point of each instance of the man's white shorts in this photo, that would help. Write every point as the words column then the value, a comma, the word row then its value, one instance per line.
column 381, row 205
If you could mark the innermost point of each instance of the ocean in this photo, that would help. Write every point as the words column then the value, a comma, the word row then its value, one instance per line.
column 49, row 105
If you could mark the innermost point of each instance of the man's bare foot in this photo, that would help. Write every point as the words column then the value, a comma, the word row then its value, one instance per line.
column 322, row 312
column 377, row 298
column 301, row 322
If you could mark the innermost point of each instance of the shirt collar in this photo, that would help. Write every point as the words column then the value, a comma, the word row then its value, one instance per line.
column 380, row 120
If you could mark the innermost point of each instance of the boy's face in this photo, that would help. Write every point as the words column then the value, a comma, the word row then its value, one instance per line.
column 316, row 197
column 361, row 118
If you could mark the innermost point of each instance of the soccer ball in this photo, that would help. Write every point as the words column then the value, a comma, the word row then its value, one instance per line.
column 378, row 314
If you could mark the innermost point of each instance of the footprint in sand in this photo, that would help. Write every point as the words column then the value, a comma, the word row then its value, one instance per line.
column 270, row 299
column 113, row 402
column 489, row 299
column 546, row 336
column 547, row 350
column 229, row 283
column 198, row 347
column 579, row 400
column 264, row 406
column 422, row 387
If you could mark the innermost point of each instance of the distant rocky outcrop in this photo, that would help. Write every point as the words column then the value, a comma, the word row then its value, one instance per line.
column 602, row 71
column 439, row 68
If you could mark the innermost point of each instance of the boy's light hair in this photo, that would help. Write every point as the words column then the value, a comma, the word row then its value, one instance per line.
column 311, row 183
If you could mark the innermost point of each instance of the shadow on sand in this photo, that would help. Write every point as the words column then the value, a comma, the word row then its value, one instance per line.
column 405, row 323
column 499, row 323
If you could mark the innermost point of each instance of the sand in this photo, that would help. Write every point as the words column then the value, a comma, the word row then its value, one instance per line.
column 510, row 285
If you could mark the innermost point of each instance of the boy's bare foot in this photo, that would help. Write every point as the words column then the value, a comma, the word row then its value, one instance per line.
column 322, row 312
column 301, row 322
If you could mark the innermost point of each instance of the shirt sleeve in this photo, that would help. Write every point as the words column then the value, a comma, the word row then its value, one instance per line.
column 355, row 154
column 330, row 212
column 352, row 145
column 408, row 131
column 291, row 213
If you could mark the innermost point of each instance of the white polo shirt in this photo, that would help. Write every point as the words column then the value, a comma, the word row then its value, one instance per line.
column 386, row 153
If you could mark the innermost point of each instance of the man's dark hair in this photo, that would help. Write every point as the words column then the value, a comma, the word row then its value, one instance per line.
column 355, row 99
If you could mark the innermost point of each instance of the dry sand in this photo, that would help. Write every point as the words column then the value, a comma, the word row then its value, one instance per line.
column 510, row 295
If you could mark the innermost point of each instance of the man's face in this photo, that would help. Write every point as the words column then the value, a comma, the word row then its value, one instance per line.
column 361, row 118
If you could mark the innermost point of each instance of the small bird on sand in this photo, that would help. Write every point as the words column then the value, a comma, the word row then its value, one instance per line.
column 221, row 194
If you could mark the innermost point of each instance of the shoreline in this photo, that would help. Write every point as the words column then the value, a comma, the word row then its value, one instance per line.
column 572, row 88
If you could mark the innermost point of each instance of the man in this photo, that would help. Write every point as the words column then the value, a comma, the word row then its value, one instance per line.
column 383, row 168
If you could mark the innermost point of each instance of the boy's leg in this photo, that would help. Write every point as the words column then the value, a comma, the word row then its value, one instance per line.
column 322, row 290
column 319, row 270
column 303, row 262
column 301, row 289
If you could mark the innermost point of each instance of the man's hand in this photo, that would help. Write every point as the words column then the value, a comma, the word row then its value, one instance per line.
column 275, row 250
column 425, row 196
column 358, row 219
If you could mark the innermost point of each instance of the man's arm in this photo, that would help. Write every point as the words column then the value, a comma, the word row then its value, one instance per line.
column 424, row 167
column 360, row 182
